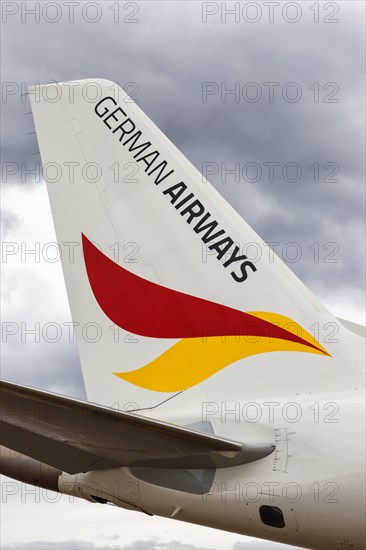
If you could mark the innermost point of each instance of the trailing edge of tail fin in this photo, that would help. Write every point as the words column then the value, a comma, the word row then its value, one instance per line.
column 164, row 293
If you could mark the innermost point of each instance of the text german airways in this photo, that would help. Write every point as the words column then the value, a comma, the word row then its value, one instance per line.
column 184, row 201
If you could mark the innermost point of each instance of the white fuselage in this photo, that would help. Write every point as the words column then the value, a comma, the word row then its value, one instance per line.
column 315, row 476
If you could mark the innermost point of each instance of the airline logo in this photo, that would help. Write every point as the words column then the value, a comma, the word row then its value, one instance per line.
column 210, row 336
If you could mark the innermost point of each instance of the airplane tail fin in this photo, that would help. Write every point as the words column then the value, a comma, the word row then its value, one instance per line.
column 171, row 292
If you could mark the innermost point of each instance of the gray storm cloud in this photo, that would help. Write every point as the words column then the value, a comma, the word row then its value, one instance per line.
column 196, row 89
column 197, row 81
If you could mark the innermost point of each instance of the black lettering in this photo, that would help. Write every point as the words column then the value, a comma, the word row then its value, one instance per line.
column 175, row 191
column 186, row 199
column 154, row 154
column 133, row 147
column 192, row 212
column 209, row 227
column 234, row 257
column 159, row 178
column 112, row 115
column 206, row 226
column 221, row 248
column 121, row 127
column 106, row 109
column 244, row 274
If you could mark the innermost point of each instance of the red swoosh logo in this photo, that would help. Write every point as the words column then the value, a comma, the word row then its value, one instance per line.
column 159, row 312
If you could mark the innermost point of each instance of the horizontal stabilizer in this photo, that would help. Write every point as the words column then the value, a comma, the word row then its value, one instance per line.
column 77, row 436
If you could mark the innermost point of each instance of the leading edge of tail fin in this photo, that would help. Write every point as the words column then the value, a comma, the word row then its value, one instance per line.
column 164, row 294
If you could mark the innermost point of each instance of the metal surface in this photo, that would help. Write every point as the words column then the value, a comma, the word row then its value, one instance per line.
column 77, row 436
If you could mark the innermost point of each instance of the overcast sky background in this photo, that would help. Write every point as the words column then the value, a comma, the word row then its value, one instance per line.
column 166, row 55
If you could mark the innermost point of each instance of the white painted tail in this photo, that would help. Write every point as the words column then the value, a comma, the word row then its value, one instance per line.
column 163, row 291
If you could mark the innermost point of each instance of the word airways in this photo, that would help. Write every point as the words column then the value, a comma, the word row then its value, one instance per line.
column 185, row 202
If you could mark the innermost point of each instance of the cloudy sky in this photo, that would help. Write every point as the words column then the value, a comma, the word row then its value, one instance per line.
column 275, row 94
